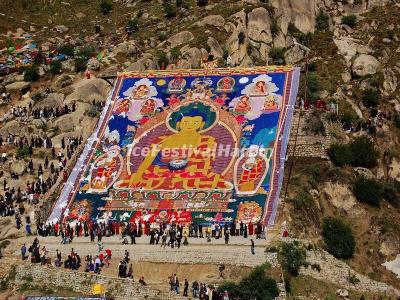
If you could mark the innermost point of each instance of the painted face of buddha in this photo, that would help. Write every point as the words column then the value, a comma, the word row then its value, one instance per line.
column 191, row 123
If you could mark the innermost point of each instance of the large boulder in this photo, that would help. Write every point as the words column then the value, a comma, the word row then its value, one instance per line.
column 180, row 38
column 88, row 90
column 147, row 62
column 13, row 77
column 238, row 41
column 192, row 58
column 18, row 86
column 300, row 12
column 62, row 81
column 365, row 64
column 389, row 82
column 126, row 48
column 212, row 20
column 18, row 167
column 61, row 28
column 340, row 195
column 349, row 47
column 65, row 123
column 294, row 55
column 52, row 100
column 259, row 26
column 14, row 128
column 215, row 47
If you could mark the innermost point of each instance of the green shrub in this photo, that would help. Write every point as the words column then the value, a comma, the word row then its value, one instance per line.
column 292, row 29
column 92, row 111
column 370, row 98
column 31, row 74
column 55, row 66
column 67, row 49
column 38, row 97
column 24, row 151
column 277, row 55
column 80, row 64
column 133, row 25
column 338, row 238
column 202, row 2
column 179, row 3
column 105, row 7
column 169, row 10
column 363, row 152
column 274, row 28
column 257, row 285
column 353, row 279
column 162, row 58
column 349, row 20
column 397, row 120
column 391, row 193
column 313, row 87
column 86, row 52
column 368, row 190
column 360, row 152
column 340, row 154
column 322, row 21
column 306, row 39
column 314, row 123
column 175, row 53
column 293, row 257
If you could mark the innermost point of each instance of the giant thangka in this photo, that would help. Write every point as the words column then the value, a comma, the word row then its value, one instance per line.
column 186, row 146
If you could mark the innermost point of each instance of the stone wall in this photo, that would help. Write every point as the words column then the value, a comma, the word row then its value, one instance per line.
column 335, row 271
column 118, row 288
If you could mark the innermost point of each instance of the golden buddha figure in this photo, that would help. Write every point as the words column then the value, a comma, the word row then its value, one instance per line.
column 184, row 159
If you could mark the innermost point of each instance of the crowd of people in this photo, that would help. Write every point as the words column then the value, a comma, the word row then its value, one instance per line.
column 198, row 290
column 369, row 125
column 46, row 112
column 163, row 234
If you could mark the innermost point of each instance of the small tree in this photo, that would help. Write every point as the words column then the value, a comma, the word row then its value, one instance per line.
column 339, row 154
column 31, row 73
column 169, row 10
column 277, row 55
column 313, row 87
column 363, row 152
column 80, row 64
column 368, row 190
column 175, row 53
column 294, row 257
column 162, row 58
column 370, row 98
column 254, row 286
column 55, row 66
column 338, row 237
column 132, row 26
column 274, row 28
column 314, row 123
column 105, row 7
column 322, row 21
column 391, row 192
column 67, row 49
column 202, row 2
column 349, row 20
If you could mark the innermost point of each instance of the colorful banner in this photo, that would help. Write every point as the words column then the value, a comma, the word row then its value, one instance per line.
column 186, row 146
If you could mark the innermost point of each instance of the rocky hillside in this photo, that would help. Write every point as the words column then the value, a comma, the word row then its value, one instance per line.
column 349, row 53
